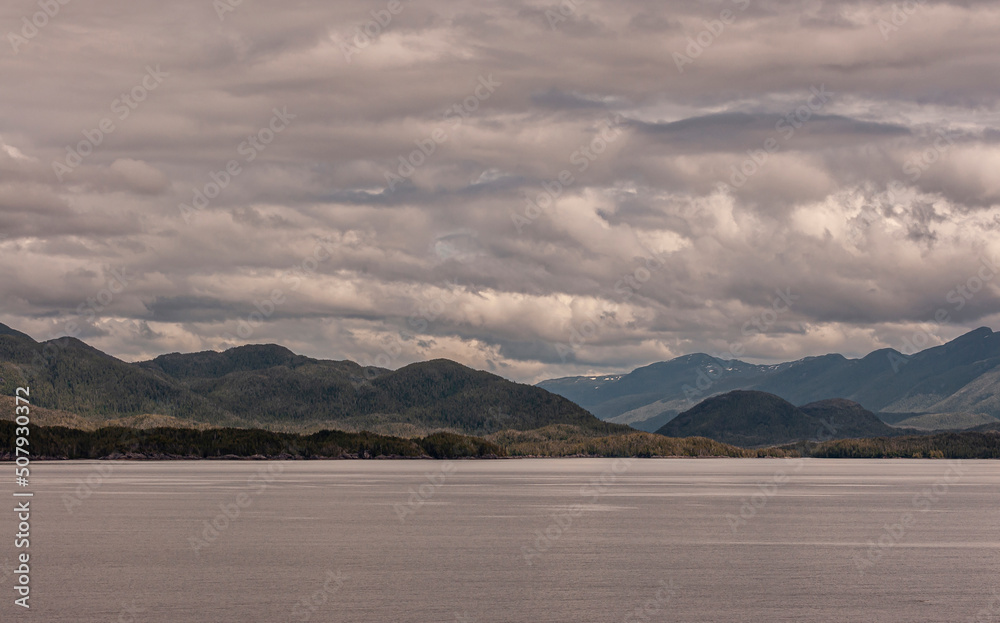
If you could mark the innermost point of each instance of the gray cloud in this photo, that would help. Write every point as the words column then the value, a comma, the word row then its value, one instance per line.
column 873, row 211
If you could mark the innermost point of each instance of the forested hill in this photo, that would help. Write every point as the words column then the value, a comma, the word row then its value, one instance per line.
column 757, row 419
column 268, row 386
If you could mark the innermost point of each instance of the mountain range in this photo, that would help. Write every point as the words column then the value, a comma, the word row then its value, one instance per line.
column 952, row 386
column 270, row 387
column 266, row 386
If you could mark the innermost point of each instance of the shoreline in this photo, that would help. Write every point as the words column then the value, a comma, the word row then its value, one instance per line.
column 168, row 459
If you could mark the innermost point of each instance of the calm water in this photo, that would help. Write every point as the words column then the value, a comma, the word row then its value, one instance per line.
column 514, row 540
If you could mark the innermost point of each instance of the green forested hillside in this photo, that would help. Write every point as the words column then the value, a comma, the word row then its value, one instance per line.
column 563, row 440
column 69, row 375
column 268, row 386
column 845, row 418
column 755, row 419
column 162, row 443
column 963, row 445
column 744, row 418
column 557, row 440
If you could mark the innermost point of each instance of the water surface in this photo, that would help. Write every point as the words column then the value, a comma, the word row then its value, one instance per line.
column 514, row 540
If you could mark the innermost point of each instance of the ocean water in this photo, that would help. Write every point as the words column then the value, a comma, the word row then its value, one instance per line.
column 555, row 540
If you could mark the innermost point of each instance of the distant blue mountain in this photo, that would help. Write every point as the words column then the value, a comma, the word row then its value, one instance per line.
column 960, row 377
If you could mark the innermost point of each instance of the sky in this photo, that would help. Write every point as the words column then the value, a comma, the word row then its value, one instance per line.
column 531, row 188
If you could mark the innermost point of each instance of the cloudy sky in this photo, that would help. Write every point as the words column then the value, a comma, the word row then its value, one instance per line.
column 533, row 188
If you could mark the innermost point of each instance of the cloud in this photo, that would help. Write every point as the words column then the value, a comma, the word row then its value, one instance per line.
column 871, row 208
column 139, row 176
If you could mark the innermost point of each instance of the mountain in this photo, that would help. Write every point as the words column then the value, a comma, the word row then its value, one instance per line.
column 752, row 419
column 845, row 419
column 962, row 376
column 5, row 330
column 659, row 390
column 990, row 426
column 885, row 380
column 947, row 421
column 268, row 386
column 69, row 375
